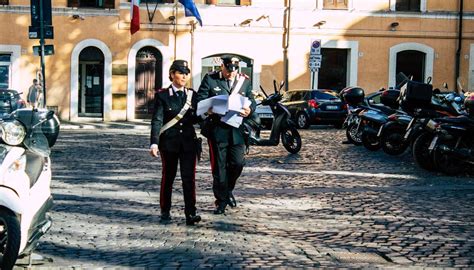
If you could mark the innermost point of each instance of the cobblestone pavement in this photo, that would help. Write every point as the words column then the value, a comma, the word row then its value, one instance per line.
column 331, row 206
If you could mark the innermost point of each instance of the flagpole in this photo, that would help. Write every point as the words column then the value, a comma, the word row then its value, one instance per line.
column 175, row 29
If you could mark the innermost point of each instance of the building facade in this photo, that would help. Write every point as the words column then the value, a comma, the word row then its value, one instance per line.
column 100, row 72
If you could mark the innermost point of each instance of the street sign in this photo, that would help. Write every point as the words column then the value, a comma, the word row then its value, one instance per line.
column 35, row 12
column 34, row 32
column 315, row 56
column 48, row 50
column 315, row 47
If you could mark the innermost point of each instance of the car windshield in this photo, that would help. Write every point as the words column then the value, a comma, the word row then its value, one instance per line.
column 323, row 95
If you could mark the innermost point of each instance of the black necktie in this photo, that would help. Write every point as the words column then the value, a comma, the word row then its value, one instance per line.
column 229, row 84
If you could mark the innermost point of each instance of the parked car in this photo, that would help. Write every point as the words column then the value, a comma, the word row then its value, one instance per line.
column 10, row 100
column 315, row 106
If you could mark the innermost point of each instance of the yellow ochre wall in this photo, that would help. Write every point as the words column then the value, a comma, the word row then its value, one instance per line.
column 367, row 24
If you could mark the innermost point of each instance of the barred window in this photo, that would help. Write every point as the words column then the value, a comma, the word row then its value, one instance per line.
column 408, row 5
column 335, row 4
column 91, row 3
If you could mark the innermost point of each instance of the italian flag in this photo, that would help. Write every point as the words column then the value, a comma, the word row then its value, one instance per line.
column 134, row 16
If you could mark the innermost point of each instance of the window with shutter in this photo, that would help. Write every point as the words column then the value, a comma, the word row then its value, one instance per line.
column 229, row 2
column 335, row 4
column 91, row 3
column 408, row 5
column 109, row 3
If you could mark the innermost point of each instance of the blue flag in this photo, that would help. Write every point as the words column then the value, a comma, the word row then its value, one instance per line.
column 191, row 10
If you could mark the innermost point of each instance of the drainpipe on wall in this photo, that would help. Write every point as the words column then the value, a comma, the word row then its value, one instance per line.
column 458, row 51
column 286, row 40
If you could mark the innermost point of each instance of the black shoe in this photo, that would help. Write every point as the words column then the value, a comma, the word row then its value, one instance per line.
column 219, row 210
column 232, row 203
column 192, row 219
column 346, row 142
column 165, row 217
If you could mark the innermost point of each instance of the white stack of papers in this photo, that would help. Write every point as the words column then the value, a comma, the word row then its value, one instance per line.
column 227, row 106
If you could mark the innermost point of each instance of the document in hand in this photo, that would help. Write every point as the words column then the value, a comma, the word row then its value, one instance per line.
column 238, row 102
column 217, row 103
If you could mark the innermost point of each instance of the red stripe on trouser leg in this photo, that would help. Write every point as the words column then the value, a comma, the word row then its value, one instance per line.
column 211, row 156
column 163, row 180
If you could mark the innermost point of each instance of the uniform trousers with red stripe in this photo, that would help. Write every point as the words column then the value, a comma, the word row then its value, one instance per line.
column 187, row 165
column 227, row 162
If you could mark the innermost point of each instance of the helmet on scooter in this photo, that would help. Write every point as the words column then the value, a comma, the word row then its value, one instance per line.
column 352, row 95
column 469, row 104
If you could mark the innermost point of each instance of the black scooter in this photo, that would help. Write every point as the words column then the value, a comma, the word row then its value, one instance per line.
column 282, row 125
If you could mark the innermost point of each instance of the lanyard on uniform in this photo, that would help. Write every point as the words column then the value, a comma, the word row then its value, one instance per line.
column 180, row 115
column 238, row 85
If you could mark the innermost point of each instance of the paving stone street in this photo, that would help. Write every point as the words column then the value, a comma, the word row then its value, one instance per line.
column 332, row 205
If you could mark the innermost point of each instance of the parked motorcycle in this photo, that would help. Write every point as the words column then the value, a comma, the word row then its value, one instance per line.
column 402, row 129
column 25, row 178
column 282, row 125
column 452, row 144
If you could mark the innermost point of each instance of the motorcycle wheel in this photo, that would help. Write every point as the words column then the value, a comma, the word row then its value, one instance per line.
column 420, row 151
column 370, row 141
column 447, row 163
column 302, row 120
column 392, row 140
column 9, row 239
column 352, row 135
column 291, row 140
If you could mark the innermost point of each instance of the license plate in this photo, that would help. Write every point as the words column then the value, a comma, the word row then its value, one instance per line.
column 266, row 115
column 332, row 107
column 433, row 143
column 431, row 125
column 380, row 131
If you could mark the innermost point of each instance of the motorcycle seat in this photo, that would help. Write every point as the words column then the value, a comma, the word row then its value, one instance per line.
column 463, row 120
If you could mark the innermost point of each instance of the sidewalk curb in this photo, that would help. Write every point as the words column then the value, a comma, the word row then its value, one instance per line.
column 137, row 125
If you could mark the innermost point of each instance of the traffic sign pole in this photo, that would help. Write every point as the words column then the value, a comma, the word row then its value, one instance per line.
column 42, row 52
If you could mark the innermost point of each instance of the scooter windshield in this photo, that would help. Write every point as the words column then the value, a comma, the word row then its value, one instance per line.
column 37, row 142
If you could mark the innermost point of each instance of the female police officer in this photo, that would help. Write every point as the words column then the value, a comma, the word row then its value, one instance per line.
column 172, row 133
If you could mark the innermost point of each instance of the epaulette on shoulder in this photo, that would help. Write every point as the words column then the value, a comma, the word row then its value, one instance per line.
column 161, row 90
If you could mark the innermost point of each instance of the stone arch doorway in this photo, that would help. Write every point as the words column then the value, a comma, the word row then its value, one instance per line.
column 148, row 77
column 412, row 63
column 91, row 83
column 427, row 65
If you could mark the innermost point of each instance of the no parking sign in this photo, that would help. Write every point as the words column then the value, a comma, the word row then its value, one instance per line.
column 315, row 56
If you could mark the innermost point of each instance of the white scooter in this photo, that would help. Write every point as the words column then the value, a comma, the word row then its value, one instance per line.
column 25, row 178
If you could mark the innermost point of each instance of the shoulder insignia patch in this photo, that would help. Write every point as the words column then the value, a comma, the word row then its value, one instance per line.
column 244, row 75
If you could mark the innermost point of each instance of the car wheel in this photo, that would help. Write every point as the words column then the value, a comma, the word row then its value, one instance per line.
column 302, row 120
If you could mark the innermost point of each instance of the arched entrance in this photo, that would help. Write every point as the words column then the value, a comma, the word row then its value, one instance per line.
column 91, row 83
column 148, row 77
column 412, row 63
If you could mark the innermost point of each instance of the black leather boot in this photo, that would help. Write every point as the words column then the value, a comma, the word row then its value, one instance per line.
column 192, row 219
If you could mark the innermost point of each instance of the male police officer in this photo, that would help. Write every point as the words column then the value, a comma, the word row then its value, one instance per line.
column 226, row 143
column 172, row 133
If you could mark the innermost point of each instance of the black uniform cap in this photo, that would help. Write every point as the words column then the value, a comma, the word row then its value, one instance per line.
column 231, row 62
column 181, row 66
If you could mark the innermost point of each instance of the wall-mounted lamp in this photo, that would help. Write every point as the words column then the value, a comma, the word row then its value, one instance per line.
column 77, row 16
column 394, row 25
column 262, row 17
column 246, row 22
column 319, row 24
